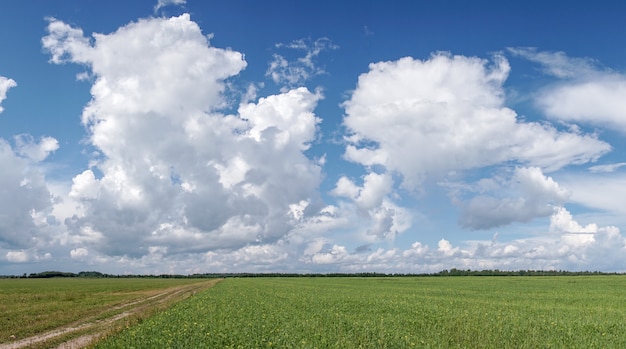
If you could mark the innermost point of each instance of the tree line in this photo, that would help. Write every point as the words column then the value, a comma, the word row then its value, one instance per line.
column 451, row 272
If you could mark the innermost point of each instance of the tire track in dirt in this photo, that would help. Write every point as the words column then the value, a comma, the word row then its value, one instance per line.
column 102, row 326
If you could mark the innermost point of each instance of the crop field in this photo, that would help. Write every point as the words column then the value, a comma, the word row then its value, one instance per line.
column 43, row 312
column 395, row 312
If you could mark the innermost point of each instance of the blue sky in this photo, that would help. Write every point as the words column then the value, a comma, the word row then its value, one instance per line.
column 192, row 136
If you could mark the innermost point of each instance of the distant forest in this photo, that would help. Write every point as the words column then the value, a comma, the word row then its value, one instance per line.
column 451, row 272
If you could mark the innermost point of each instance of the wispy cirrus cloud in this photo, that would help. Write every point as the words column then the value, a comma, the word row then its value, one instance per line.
column 586, row 92
column 557, row 64
column 293, row 69
column 163, row 3
column 606, row 167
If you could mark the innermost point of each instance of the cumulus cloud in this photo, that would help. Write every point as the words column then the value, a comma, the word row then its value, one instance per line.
column 586, row 93
column 36, row 151
column 5, row 85
column 85, row 186
column 23, row 217
column 174, row 173
column 296, row 71
column 527, row 195
column 425, row 118
column 435, row 118
column 373, row 201
column 288, row 116
column 566, row 245
column 65, row 43
column 603, row 243
column 375, row 188
column 27, row 204
column 17, row 256
column 79, row 253
column 23, row 256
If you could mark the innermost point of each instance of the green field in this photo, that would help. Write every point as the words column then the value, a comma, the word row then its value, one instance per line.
column 408, row 312
column 30, row 307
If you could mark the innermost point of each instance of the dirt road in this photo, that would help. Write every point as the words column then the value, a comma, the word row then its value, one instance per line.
column 81, row 333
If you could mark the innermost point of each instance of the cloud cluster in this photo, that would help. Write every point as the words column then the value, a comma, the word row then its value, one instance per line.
column 568, row 246
column 427, row 118
column 586, row 93
column 174, row 174
column 26, row 208
column 24, row 214
column 180, row 182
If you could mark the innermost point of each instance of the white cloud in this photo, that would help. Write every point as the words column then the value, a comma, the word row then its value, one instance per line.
column 601, row 191
column 598, row 101
column 23, row 256
column 65, row 43
column 85, row 186
column 426, row 118
column 586, row 94
column 176, row 173
column 297, row 71
column 345, row 187
column 559, row 249
column 25, row 211
column 444, row 246
column 288, row 117
column 335, row 255
column 375, row 188
column 606, row 167
column 372, row 200
column 5, row 85
column 17, row 256
column 179, row 183
column 556, row 250
column 163, row 3
column 527, row 195
column 79, row 253
column 557, row 64
column 573, row 233
column 23, row 218
column 36, row 151
column 389, row 220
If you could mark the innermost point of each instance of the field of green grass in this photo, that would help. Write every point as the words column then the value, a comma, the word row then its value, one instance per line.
column 30, row 307
column 410, row 312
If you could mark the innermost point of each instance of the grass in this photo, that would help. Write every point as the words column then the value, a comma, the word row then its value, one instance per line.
column 33, row 306
column 435, row 312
